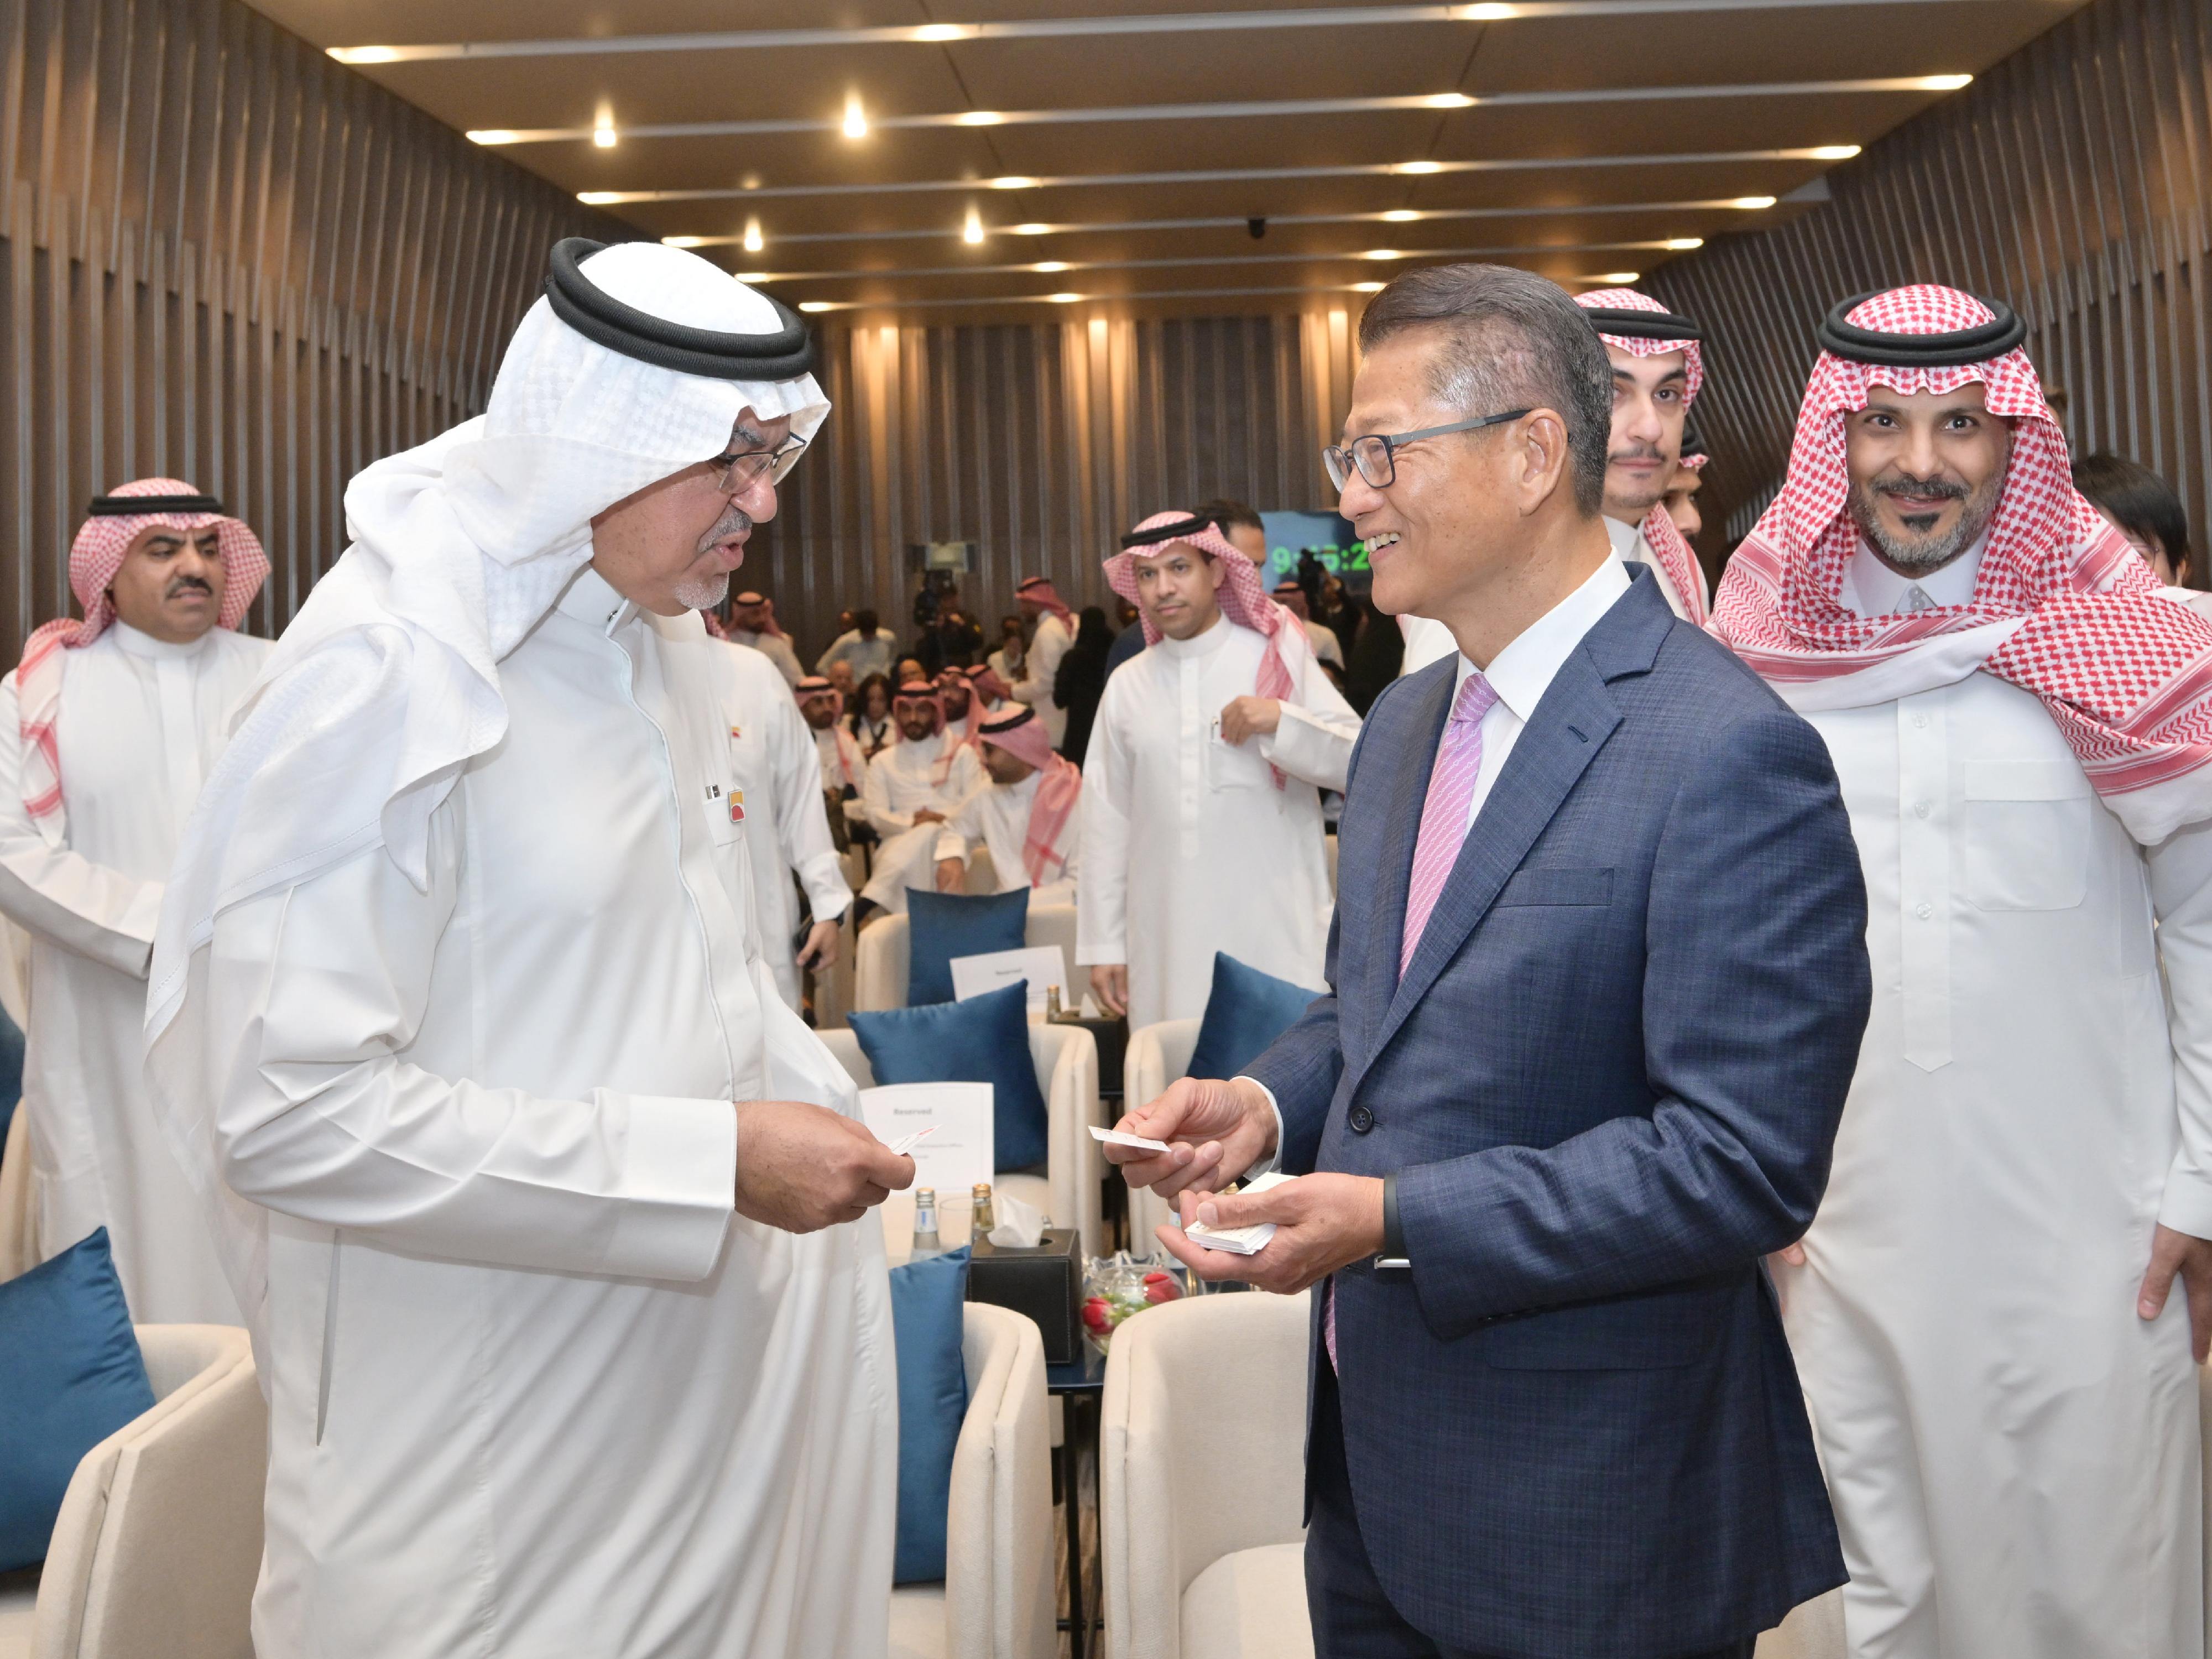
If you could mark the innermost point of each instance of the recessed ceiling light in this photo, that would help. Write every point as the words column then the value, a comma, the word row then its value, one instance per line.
column 1684, row 243
column 1033, row 229
column 1834, row 152
column 1401, row 216
column 1489, row 13
column 1013, row 181
column 754, row 242
column 856, row 118
column 1420, row 166
column 1063, row 299
column 1450, row 101
column 603, row 132
column 757, row 277
column 816, row 304
column 1052, row 264
column 1616, row 278
column 751, row 181
column 366, row 54
column 972, row 232
column 1369, row 288
column 1383, row 254
column 684, row 241
column 980, row 118
column 941, row 32
column 589, row 197
column 1945, row 82
column 1752, row 204
column 492, row 136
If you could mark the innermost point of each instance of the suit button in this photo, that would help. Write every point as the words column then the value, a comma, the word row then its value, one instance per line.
column 1361, row 1120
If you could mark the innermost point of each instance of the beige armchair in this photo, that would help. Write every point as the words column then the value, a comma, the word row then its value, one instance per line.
column 1202, row 1481
column 998, row 1598
column 18, row 1213
column 159, row 1541
column 1157, row 1056
column 1067, row 1060
column 880, row 962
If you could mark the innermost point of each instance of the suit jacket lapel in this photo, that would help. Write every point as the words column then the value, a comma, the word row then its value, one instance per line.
column 1571, row 723
column 1402, row 827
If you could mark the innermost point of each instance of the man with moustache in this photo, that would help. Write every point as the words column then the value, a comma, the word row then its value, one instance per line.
column 913, row 786
column 753, row 625
column 1599, row 977
column 2004, row 1387
column 1026, row 815
column 106, row 730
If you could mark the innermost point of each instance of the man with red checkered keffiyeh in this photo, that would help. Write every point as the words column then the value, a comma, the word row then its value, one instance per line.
column 1982, row 1312
column 106, row 730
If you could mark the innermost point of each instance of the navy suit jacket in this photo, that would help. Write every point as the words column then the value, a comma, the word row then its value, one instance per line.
column 1608, row 1084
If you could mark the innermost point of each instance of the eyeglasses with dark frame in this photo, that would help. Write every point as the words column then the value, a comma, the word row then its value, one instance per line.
column 1372, row 453
column 734, row 473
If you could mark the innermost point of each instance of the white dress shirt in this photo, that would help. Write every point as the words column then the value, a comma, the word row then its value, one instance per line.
column 1871, row 588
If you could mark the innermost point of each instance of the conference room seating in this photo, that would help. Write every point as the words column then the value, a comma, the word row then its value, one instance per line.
column 1201, row 1470
column 1157, row 1055
column 159, row 1541
column 998, row 1599
column 880, row 969
column 1066, row 1061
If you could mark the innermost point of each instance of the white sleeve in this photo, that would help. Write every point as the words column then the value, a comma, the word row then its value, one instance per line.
column 875, row 800
column 962, row 826
column 803, row 824
column 786, row 660
column 1042, row 668
column 2181, row 895
column 1315, row 738
column 1102, row 897
column 61, row 896
column 315, row 994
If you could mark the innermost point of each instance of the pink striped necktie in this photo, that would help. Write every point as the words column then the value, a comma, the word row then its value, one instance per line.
column 1444, row 827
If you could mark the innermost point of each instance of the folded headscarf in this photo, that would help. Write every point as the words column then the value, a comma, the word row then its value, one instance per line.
column 1039, row 590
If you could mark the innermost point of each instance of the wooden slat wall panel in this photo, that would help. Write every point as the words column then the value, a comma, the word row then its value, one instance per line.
column 231, row 260
column 2073, row 180
column 1042, row 443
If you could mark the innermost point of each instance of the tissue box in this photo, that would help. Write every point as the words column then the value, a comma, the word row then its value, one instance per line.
column 1044, row 1283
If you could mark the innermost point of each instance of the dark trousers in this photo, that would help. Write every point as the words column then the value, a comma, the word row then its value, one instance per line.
column 1352, row 1617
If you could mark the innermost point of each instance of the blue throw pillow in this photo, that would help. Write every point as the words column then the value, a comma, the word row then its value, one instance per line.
column 1245, row 1012
column 985, row 1039
column 948, row 925
column 71, row 1374
column 927, row 1298
column 11, row 1072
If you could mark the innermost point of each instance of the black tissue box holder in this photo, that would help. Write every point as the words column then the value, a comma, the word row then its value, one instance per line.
column 1043, row 1284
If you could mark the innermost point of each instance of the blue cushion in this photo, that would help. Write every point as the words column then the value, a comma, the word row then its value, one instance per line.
column 71, row 1374
column 985, row 1039
column 926, row 1297
column 948, row 925
column 1245, row 1012
column 11, row 1071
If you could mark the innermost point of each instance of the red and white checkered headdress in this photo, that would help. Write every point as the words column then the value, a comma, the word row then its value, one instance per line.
column 2126, row 674
column 95, row 558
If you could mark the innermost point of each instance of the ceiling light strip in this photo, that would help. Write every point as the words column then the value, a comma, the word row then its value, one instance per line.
column 820, row 306
column 1239, row 221
column 1237, row 176
column 1379, row 255
column 1062, row 27
column 1268, row 107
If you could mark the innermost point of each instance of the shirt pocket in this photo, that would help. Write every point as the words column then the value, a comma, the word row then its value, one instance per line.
column 2024, row 837
column 725, row 812
column 1236, row 765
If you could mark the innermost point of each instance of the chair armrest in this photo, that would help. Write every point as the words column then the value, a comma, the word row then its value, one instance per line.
column 1067, row 1072
column 1157, row 1054
column 1000, row 1594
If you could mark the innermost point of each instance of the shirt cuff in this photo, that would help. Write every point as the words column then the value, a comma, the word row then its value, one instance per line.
column 678, row 1184
column 2187, row 1205
column 1265, row 1165
column 950, row 846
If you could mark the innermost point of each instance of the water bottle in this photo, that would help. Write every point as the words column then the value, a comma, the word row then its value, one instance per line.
column 984, row 1220
column 926, row 1241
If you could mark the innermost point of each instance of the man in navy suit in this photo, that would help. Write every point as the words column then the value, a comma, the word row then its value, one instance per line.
column 1600, row 977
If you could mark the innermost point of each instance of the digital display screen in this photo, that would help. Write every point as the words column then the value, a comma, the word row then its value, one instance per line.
column 1328, row 535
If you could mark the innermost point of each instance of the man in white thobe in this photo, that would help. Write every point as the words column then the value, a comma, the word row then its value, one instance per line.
column 1026, row 815
column 822, row 705
column 2005, row 1398
column 106, row 730
column 752, row 623
column 1201, row 815
column 777, row 773
column 864, row 648
column 1658, row 367
column 453, row 993
column 913, row 786
column 1053, row 626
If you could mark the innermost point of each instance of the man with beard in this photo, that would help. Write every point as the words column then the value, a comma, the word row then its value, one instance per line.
column 550, row 1217
column 912, row 787
column 1658, row 366
column 823, row 708
column 753, row 624
column 106, row 730
column 1054, row 624
column 1026, row 815
column 964, row 710
column 2001, row 1383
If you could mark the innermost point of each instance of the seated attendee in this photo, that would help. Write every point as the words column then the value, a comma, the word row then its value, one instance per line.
column 865, row 645
column 1026, row 815
column 840, row 675
column 1013, row 646
column 752, row 623
column 963, row 711
column 909, row 670
column 843, row 765
column 870, row 722
column 2142, row 506
column 990, row 689
column 912, row 786
column 1293, row 598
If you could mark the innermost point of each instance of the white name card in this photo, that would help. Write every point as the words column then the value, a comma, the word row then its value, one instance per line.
column 1043, row 966
column 959, row 1153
